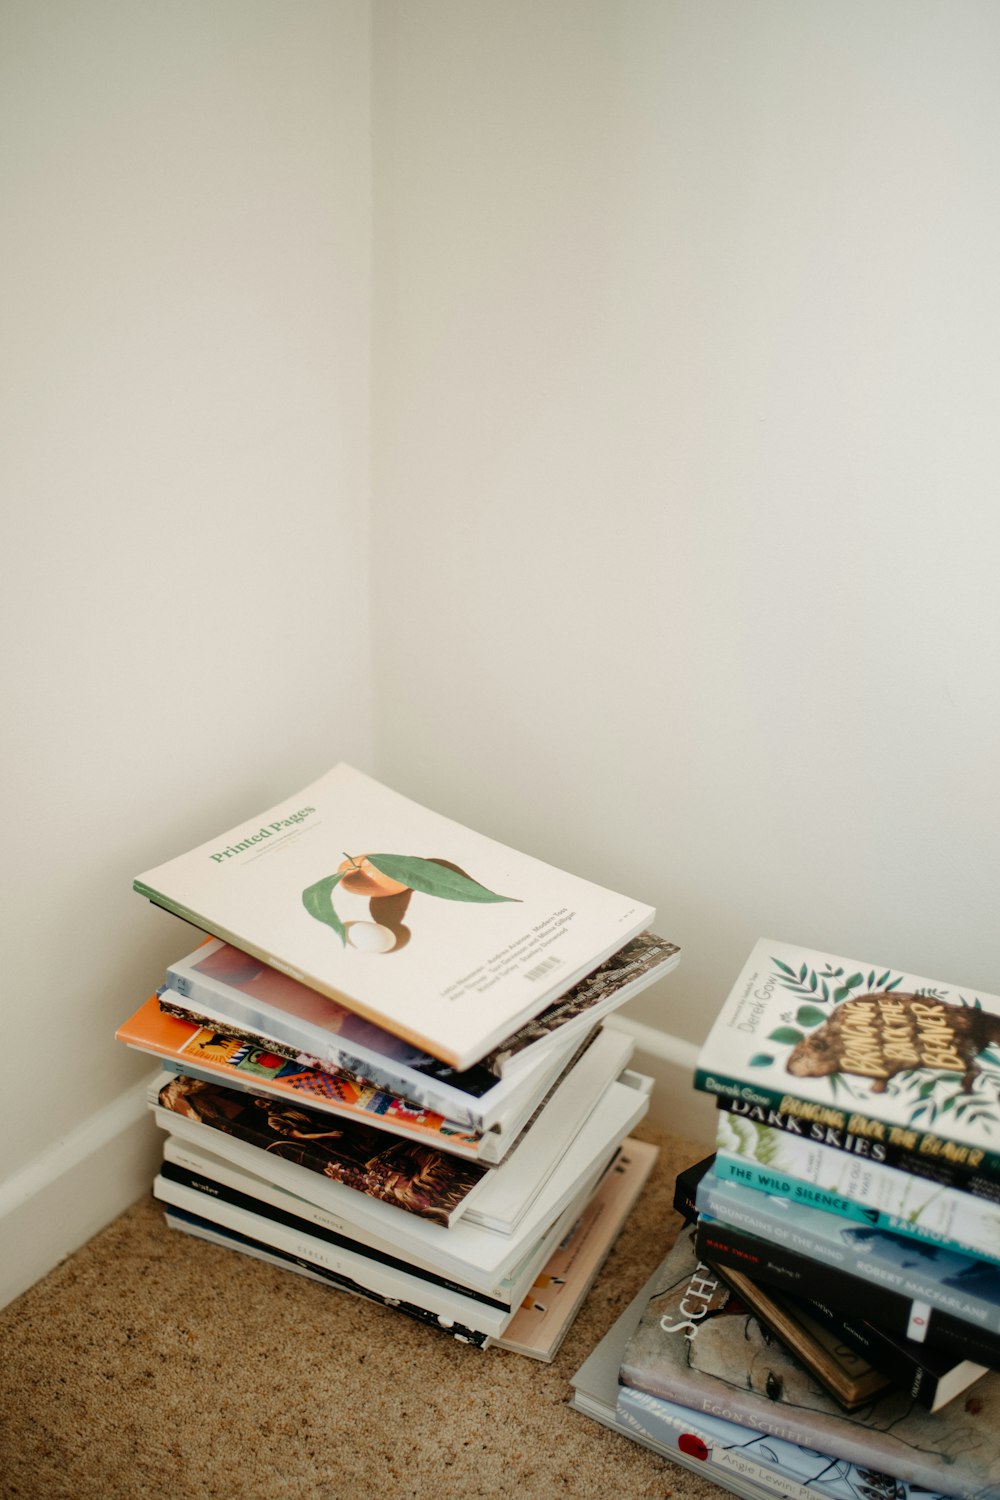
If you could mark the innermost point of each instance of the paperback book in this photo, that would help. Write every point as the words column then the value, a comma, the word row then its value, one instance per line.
column 823, row 1130
column 215, row 1180
column 218, row 986
column 404, row 1174
column 934, row 1216
column 468, row 1253
column 947, row 1300
column 355, row 1269
column 448, row 939
column 231, row 1239
column 894, row 1058
column 697, row 1345
column 949, row 1210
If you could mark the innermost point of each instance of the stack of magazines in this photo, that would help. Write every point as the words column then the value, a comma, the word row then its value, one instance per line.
column 829, row 1316
column 389, row 1071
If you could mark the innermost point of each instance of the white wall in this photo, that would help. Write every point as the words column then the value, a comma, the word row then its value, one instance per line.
column 686, row 485
column 185, row 273
column 684, row 455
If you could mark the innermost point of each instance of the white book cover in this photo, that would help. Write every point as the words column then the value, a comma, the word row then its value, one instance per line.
column 219, row 985
column 433, row 931
column 460, row 1250
column 353, row 1265
column 508, row 1194
column 217, row 1177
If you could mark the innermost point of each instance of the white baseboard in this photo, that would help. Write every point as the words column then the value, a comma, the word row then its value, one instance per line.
column 58, row 1201
column 676, row 1106
column 70, row 1192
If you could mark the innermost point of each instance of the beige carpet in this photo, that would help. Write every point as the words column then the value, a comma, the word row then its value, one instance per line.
column 151, row 1364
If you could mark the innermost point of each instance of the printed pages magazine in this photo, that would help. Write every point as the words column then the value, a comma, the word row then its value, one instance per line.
column 431, row 930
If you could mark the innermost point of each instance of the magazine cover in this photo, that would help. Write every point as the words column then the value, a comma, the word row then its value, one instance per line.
column 479, row 1257
column 403, row 1173
column 236, row 1062
column 884, row 1054
column 697, row 1344
column 642, row 961
column 430, row 930
column 218, row 985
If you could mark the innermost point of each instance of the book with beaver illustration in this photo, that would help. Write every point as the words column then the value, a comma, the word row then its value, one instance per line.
column 895, row 1060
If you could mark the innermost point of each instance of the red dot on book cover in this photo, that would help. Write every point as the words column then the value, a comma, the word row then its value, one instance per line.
column 692, row 1446
column 269, row 1060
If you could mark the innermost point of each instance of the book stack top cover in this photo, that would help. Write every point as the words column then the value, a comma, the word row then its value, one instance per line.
column 909, row 1063
column 434, row 932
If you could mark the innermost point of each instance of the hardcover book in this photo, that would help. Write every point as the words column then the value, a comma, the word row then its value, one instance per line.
column 402, row 1173
column 932, row 1378
column 851, row 1378
column 886, row 1055
column 698, row 1345
column 426, row 928
column 748, row 1463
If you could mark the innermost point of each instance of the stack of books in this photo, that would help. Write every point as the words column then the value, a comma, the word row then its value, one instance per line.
column 389, row 1071
column 829, row 1315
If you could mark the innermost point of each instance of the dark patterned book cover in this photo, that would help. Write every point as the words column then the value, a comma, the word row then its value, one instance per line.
column 405, row 1173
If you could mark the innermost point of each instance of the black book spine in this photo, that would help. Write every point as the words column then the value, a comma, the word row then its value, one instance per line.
column 777, row 1265
column 260, row 1206
column 342, row 1283
column 915, row 1367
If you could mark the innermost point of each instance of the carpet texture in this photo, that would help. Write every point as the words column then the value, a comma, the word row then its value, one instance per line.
column 151, row 1365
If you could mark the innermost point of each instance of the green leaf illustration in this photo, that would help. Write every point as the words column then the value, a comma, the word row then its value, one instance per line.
column 810, row 1015
column 432, row 879
column 761, row 1060
column 318, row 902
column 785, row 1034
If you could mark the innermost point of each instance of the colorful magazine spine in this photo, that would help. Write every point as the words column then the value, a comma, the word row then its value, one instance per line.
column 238, row 1062
column 963, row 1233
column 962, row 1285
